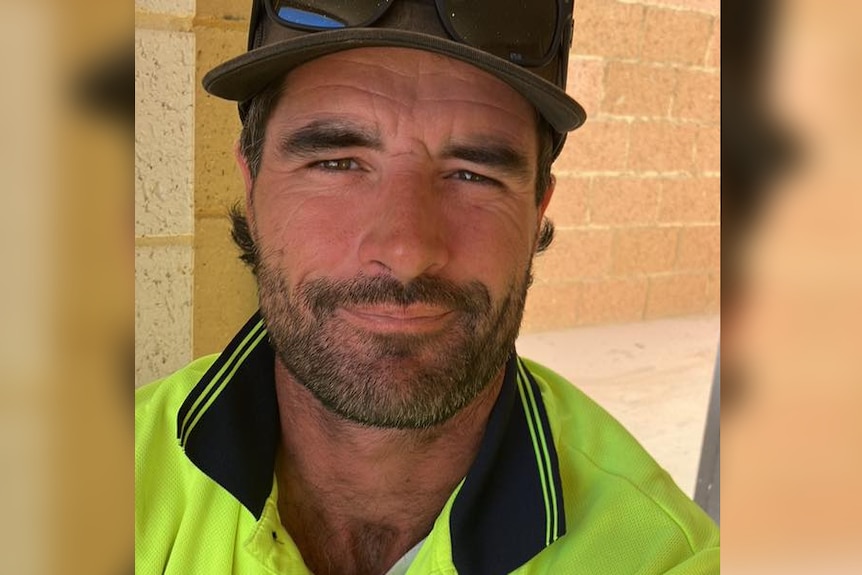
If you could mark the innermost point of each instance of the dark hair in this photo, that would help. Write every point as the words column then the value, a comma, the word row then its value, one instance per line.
column 251, row 139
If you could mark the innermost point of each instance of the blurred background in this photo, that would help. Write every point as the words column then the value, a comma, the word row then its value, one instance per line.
column 792, row 287
column 66, row 301
column 791, row 248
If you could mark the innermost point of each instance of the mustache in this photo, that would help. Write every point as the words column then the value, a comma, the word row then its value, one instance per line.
column 325, row 296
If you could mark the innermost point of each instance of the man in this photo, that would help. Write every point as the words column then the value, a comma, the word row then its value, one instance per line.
column 374, row 418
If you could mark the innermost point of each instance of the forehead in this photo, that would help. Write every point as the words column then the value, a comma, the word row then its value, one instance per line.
column 406, row 86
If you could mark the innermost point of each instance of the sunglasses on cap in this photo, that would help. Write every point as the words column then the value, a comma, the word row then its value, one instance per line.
column 524, row 43
column 525, row 32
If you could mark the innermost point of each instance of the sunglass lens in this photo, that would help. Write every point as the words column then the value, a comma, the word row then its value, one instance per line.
column 521, row 31
column 328, row 14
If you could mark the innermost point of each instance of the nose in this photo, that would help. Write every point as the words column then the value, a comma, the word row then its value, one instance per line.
column 406, row 232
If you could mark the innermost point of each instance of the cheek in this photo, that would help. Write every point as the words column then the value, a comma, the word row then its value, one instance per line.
column 495, row 246
column 309, row 238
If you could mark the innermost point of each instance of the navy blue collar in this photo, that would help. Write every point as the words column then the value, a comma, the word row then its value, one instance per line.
column 509, row 508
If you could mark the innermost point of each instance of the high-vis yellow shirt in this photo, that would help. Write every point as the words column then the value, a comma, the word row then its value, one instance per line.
column 558, row 486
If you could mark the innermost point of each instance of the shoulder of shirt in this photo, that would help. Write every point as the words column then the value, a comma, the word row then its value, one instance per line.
column 156, row 406
column 601, row 462
column 584, row 429
column 170, row 391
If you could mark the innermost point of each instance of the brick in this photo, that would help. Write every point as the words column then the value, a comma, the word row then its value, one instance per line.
column 659, row 146
column 698, row 96
column 598, row 146
column 638, row 90
column 612, row 301
column 585, row 83
column 163, row 310
column 218, row 182
column 705, row 6
column 624, row 200
column 707, row 149
column 173, row 7
column 676, row 295
column 227, row 10
column 675, row 36
column 164, row 116
column 607, row 28
column 216, row 45
column 225, row 292
column 575, row 254
column 713, row 293
column 699, row 249
column 550, row 307
column 568, row 207
column 713, row 51
column 644, row 250
column 690, row 200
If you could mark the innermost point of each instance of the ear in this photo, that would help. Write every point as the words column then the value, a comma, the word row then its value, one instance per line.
column 246, row 176
column 552, row 184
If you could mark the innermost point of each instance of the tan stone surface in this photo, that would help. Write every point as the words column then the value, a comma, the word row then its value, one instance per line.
column 225, row 290
column 676, row 295
column 636, row 89
column 550, row 306
column 225, row 10
column 707, row 153
column 698, row 96
column 616, row 200
column 598, row 146
column 676, row 36
column 661, row 146
column 713, row 53
column 175, row 7
column 163, row 310
column 644, row 250
column 585, row 82
column 608, row 28
column 164, row 138
column 575, row 254
column 713, row 293
column 705, row 6
column 219, row 183
column 690, row 200
column 612, row 301
column 568, row 206
column 699, row 248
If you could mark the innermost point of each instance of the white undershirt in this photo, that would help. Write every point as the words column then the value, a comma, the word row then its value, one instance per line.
column 402, row 565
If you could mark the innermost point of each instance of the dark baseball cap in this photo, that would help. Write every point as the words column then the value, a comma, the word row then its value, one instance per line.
column 276, row 47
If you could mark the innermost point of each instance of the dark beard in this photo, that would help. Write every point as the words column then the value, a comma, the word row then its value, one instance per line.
column 398, row 381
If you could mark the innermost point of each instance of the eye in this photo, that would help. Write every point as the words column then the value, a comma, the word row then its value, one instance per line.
column 340, row 164
column 474, row 178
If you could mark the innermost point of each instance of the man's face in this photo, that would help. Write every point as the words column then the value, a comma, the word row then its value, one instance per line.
column 395, row 216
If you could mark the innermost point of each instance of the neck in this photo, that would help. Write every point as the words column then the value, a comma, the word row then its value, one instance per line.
column 356, row 498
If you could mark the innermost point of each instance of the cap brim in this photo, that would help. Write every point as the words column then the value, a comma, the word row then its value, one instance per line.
column 242, row 77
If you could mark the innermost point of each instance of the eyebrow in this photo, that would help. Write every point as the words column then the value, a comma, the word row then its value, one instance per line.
column 325, row 135
column 497, row 155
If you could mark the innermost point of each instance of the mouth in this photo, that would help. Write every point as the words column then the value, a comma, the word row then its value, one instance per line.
column 397, row 319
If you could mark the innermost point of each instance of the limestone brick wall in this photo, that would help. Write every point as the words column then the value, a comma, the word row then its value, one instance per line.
column 164, row 185
column 637, row 200
column 637, row 204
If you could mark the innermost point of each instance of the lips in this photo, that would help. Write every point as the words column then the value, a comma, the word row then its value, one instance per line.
column 398, row 319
